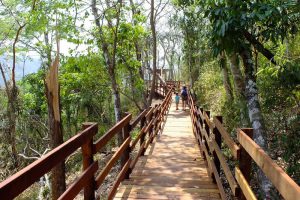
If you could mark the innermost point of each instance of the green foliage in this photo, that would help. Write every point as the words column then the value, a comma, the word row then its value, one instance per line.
column 209, row 88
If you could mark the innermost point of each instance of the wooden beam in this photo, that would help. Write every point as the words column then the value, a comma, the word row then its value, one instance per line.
column 87, row 161
column 243, row 183
column 138, row 118
column 100, row 178
column 232, row 183
column 111, row 133
column 120, row 177
column 17, row 183
column 227, row 139
column 78, row 184
column 139, row 136
column 218, row 180
column 138, row 155
column 285, row 185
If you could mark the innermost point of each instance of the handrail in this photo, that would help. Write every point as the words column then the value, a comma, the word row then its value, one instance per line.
column 211, row 133
column 150, row 121
column 17, row 183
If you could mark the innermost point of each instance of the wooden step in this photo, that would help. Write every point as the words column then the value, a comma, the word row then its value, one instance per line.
column 168, row 178
column 174, row 183
column 151, row 158
column 162, row 193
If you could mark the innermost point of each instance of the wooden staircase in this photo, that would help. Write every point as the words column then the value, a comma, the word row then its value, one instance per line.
column 172, row 167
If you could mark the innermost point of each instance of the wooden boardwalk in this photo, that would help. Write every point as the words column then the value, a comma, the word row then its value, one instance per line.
column 172, row 167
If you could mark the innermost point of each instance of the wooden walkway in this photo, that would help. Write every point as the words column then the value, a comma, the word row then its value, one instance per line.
column 172, row 167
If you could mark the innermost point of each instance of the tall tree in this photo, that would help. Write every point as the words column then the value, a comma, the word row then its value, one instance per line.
column 14, row 10
column 154, row 51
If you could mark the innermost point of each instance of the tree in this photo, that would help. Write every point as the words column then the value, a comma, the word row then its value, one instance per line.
column 14, row 32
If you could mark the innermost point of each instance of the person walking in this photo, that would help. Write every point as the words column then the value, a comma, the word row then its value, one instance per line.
column 184, row 97
column 177, row 98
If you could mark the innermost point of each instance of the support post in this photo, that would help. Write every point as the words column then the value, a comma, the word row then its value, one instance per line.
column 218, row 140
column 143, row 120
column 126, row 154
column 87, row 160
column 245, row 161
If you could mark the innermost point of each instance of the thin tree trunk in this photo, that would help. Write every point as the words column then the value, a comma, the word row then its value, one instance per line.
column 154, row 53
column 255, row 115
column 226, row 80
column 58, row 183
column 239, row 85
column 138, row 52
column 110, row 60
column 238, row 79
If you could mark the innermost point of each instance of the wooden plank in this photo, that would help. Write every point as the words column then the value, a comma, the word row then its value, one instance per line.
column 77, row 186
column 210, row 124
column 149, row 114
column 218, row 180
column 167, row 183
column 228, row 174
column 17, row 183
column 100, row 178
column 138, row 118
column 201, row 115
column 245, row 187
column 111, row 133
column 87, row 161
column 120, row 178
column 159, row 189
column 138, row 155
column 245, row 162
column 135, row 141
column 284, row 184
column 204, row 133
column 150, row 124
column 227, row 139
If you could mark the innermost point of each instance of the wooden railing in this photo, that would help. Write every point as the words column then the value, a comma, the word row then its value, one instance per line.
column 211, row 133
column 150, row 121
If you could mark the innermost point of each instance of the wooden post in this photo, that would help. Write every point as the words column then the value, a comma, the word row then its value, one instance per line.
column 245, row 161
column 151, row 127
column 218, row 139
column 197, row 120
column 206, row 124
column 201, row 122
column 143, row 120
column 126, row 154
column 87, row 160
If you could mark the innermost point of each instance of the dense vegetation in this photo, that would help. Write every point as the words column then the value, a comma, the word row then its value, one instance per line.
column 97, row 59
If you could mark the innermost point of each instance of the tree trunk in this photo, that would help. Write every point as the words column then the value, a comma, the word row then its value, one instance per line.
column 154, row 53
column 138, row 52
column 226, row 80
column 255, row 115
column 58, row 184
column 11, row 114
column 110, row 59
column 239, row 85
column 238, row 79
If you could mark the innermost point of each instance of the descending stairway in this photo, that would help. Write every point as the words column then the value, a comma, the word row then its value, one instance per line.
column 172, row 167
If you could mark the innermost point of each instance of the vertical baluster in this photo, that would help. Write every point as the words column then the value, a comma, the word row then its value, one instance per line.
column 87, row 160
column 245, row 161
column 143, row 120
column 126, row 154
column 218, row 140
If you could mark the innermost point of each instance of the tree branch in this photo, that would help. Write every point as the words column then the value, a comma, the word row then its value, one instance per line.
column 257, row 45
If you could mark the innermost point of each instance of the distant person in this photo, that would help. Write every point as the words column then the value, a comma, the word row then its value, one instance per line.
column 184, row 97
column 177, row 98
